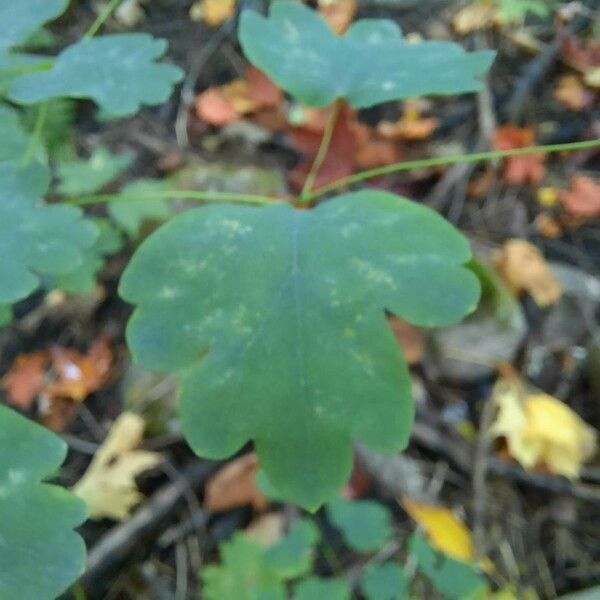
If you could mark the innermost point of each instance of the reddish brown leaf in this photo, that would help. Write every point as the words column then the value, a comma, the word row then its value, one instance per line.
column 338, row 13
column 520, row 170
column 235, row 485
column 213, row 107
column 79, row 375
column 26, row 379
column 410, row 338
column 571, row 93
column 583, row 199
column 261, row 90
column 583, row 55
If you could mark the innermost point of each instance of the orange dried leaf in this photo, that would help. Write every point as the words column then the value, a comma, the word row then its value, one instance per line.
column 583, row 199
column 571, row 93
column 523, row 268
column 582, row 55
column 235, row 486
column 410, row 338
column 548, row 226
column 79, row 375
column 520, row 170
column 339, row 14
column 261, row 90
column 26, row 379
column 213, row 107
column 412, row 126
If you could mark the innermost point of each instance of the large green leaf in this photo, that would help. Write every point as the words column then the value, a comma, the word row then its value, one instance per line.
column 118, row 72
column 36, row 239
column 40, row 554
column 371, row 64
column 365, row 525
column 274, row 320
column 13, row 136
column 19, row 20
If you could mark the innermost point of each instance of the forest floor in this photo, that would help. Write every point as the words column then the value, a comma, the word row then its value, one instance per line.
column 533, row 223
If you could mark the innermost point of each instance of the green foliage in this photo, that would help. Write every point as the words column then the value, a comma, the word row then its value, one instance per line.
column 41, row 554
column 36, row 239
column 453, row 579
column 83, row 279
column 131, row 216
column 6, row 314
column 57, row 127
column 371, row 64
column 125, row 74
column 13, row 136
column 248, row 571
column 316, row 588
column 79, row 177
column 365, row 525
column 513, row 10
column 293, row 555
column 388, row 581
column 274, row 320
column 20, row 20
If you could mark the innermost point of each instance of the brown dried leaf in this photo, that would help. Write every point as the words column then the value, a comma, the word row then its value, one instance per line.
column 520, row 170
column 79, row 375
column 338, row 13
column 412, row 126
column 523, row 268
column 571, row 93
column 235, row 486
column 26, row 379
column 213, row 12
column 474, row 17
column 583, row 199
column 410, row 338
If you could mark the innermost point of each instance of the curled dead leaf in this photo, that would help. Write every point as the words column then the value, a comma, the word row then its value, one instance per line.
column 572, row 94
column 582, row 200
column 523, row 268
column 541, row 431
column 108, row 486
column 520, row 170
column 339, row 14
column 26, row 379
column 235, row 485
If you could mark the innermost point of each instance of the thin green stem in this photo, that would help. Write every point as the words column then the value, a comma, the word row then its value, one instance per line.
column 445, row 161
column 321, row 153
column 173, row 195
column 36, row 134
column 102, row 18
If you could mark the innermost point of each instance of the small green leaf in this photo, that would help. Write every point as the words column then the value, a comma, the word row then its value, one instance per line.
column 292, row 556
column 454, row 579
column 79, row 177
column 130, row 216
column 365, row 525
column 36, row 239
column 243, row 574
column 316, row 588
column 83, row 279
column 40, row 553
column 6, row 314
column 512, row 10
column 274, row 320
column 13, row 135
column 371, row 64
column 19, row 20
column 385, row 582
column 118, row 72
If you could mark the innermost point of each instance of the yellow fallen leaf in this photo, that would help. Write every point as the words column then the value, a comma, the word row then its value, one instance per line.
column 592, row 77
column 108, row 486
column 547, row 196
column 541, row 430
column 267, row 529
column 474, row 17
column 445, row 531
column 523, row 268
column 213, row 12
